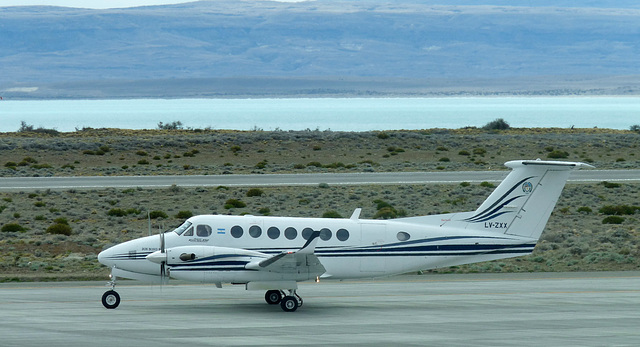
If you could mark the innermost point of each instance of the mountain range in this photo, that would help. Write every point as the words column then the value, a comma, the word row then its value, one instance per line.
column 321, row 48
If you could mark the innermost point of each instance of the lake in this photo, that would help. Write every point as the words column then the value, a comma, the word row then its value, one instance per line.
column 338, row 114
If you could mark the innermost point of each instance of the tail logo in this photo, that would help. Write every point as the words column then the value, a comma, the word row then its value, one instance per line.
column 527, row 187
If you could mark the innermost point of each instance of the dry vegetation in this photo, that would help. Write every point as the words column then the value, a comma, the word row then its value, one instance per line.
column 31, row 249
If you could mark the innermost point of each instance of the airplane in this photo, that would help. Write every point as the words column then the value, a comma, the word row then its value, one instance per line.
column 275, row 253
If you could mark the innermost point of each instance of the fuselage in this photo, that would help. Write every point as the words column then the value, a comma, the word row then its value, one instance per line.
column 217, row 248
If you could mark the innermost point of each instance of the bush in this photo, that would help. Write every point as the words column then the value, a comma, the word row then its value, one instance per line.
column 498, row 124
column 176, row 125
column 635, row 127
column 116, row 212
column 157, row 214
column 610, row 184
column 619, row 210
column 487, row 184
column 585, row 209
column 254, row 192
column 613, row 220
column 331, row 214
column 13, row 227
column 557, row 154
column 386, row 213
column 383, row 135
column 184, row 214
column 234, row 203
column 59, row 229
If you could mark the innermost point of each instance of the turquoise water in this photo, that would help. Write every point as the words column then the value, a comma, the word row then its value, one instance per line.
column 344, row 114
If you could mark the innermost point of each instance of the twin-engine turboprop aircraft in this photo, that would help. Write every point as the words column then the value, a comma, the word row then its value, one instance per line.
column 274, row 253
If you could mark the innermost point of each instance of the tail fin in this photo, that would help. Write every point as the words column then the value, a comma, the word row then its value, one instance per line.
column 522, row 203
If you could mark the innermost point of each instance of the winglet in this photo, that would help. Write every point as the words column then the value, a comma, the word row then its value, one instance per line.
column 356, row 214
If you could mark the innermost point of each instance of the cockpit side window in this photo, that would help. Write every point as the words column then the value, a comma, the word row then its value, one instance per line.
column 189, row 232
column 179, row 230
column 203, row 230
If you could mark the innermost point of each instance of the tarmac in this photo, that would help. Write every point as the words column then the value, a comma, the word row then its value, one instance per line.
column 539, row 309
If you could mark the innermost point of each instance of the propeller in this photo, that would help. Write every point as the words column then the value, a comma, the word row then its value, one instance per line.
column 163, row 263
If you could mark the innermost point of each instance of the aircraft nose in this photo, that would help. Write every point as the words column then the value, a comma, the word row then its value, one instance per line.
column 105, row 257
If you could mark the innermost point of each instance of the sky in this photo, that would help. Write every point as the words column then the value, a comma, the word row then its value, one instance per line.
column 100, row 4
column 96, row 4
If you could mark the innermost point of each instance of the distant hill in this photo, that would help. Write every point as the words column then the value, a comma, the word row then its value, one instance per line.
column 329, row 47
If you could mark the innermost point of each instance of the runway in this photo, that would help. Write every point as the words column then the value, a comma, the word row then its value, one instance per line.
column 99, row 182
column 541, row 309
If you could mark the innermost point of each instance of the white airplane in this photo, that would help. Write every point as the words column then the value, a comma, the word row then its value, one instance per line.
column 274, row 253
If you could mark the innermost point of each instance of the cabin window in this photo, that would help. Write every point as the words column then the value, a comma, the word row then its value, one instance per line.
column 342, row 234
column 203, row 230
column 237, row 231
column 255, row 231
column 273, row 233
column 182, row 228
column 325, row 234
column 290, row 233
column 189, row 232
column 306, row 233
column 403, row 236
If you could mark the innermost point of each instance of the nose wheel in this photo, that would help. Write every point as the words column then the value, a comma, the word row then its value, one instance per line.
column 110, row 299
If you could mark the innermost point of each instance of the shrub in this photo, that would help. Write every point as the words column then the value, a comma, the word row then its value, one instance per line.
column 157, row 214
column 143, row 162
column 116, row 212
column 382, row 135
column 613, row 220
column 59, row 229
column 175, row 125
column 234, row 203
column 261, row 165
column 331, row 214
column 315, row 163
column 610, row 184
column 254, row 192
column 465, row 184
column 619, row 210
column 557, row 154
column 444, row 159
column 39, row 204
column 487, row 184
column 585, row 209
column 463, row 152
column 479, row 151
column 386, row 213
column 498, row 124
column 13, row 227
column 184, row 214
column 265, row 211
column 635, row 127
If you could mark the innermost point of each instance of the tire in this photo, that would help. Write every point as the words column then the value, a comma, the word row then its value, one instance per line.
column 110, row 299
column 273, row 297
column 289, row 304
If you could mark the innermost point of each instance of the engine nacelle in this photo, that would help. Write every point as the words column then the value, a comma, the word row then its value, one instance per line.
column 186, row 254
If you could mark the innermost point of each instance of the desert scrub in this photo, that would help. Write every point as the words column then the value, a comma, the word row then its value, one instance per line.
column 158, row 214
column 184, row 214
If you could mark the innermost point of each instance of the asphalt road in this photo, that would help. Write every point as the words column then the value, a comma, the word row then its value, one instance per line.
column 93, row 182
column 539, row 309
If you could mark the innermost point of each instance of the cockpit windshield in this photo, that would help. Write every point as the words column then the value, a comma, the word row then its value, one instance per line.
column 179, row 230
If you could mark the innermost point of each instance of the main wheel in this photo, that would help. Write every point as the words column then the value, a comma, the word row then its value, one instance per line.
column 273, row 297
column 289, row 304
column 110, row 299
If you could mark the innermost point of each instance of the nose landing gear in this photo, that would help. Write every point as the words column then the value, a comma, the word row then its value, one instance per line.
column 111, row 298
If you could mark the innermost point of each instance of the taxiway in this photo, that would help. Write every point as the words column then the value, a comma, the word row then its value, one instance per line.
column 542, row 309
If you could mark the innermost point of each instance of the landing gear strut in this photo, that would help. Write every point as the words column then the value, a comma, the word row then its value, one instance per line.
column 111, row 298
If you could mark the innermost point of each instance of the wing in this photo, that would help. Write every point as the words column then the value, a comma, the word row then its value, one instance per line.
column 302, row 264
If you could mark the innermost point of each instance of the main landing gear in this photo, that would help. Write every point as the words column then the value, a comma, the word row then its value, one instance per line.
column 111, row 298
column 288, row 303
